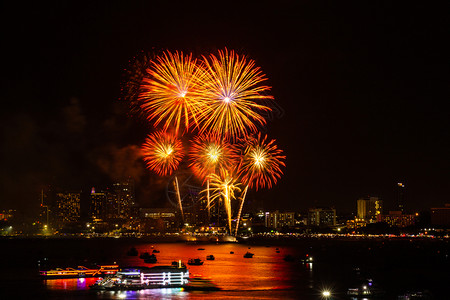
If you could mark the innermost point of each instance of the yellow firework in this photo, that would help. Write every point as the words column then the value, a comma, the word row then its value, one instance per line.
column 261, row 163
column 162, row 152
column 222, row 188
column 210, row 155
column 233, row 91
column 170, row 94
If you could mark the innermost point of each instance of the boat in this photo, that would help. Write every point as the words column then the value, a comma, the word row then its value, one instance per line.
column 210, row 257
column 144, row 255
column 155, row 251
column 137, row 278
column 248, row 255
column 79, row 272
column 195, row 262
column 365, row 290
column 201, row 284
column 231, row 252
column 278, row 251
column 201, row 249
column 151, row 259
column 132, row 252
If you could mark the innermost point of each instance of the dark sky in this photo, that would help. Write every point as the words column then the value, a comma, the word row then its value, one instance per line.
column 363, row 88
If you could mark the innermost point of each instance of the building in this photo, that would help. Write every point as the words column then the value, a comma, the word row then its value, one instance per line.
column 67, row 208
column 369, row 208
column 396, row 218
column 98, row 205
column 158, row 219
column 322, row 217
column 278, row 220
column 441, row 215
column 401, row 197
column 121, row 199
column 356, row 224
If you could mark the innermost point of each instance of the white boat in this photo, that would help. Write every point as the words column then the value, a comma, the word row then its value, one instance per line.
column 136, row 278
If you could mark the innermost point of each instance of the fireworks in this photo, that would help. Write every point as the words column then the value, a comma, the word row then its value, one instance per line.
column 223, row 99
column 232, row 89
column 223, row 188
column 171, row 93
column 261, row 163
column 162, row 152
column 210, row 155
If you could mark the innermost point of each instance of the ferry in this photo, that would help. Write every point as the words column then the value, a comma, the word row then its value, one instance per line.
column 79, row 272
column 137, row 278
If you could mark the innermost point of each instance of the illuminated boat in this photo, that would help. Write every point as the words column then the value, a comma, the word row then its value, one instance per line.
column 79, row 272
column 137, row 278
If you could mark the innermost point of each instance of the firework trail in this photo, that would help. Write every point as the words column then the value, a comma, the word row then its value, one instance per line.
column 223, row 189
column 171, row 93
column 232, row 90
column 162, row 153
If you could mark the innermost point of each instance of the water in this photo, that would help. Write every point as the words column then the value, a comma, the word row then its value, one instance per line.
column 396, row 266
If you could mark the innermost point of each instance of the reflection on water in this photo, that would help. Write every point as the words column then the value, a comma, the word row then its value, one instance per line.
column 234, row 274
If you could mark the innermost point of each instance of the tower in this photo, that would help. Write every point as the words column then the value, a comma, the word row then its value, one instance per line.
column 400, row 197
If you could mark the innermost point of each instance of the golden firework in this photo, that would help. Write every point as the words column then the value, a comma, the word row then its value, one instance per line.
column 162, row 152
column 210, row 155
column 170, row 94
column 261, row 163
column 233, row 89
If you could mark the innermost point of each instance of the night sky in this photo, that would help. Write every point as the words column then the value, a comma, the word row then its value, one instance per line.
column 362, row 91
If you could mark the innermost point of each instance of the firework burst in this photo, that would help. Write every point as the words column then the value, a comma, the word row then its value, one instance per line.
column 210, row 155
column 261, row 163
column 171, row 93
column 233, row 89
column 162, row 152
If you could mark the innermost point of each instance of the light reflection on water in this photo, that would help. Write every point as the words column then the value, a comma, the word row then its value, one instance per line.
column 235, row 275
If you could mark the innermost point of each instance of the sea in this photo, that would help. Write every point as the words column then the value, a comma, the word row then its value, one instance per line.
column 394, row 265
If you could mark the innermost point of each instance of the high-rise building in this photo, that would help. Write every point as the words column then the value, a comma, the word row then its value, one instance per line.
column 369, row 208
column 322, row 217
column 278, row 219
column 396, row 218
column 401, row 197
column 98, row 205
column 67, row 207
column 122, row 199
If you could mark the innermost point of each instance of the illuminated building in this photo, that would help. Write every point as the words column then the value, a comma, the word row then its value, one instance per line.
column 401, row 197
column 396, row 218
column 121, row 199
column 158, row 219
column 356, row 223
column 369, row 208
column 441, row 215
column 67, row 207
column 98, row 205
column 7, row 214
column 278, row 219
column 322, row 217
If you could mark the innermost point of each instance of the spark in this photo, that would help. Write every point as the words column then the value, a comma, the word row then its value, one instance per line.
column 170, row 94
column 162, row 152
column 261, row 163
column 233, row 89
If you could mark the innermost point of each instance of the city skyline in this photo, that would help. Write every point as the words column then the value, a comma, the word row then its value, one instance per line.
column 360, row 106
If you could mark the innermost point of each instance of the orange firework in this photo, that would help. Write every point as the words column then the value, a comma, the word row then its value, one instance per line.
column 261, row 163
column 171, row 93
column 210, row 155
column 162, row 152
column 233, row 89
